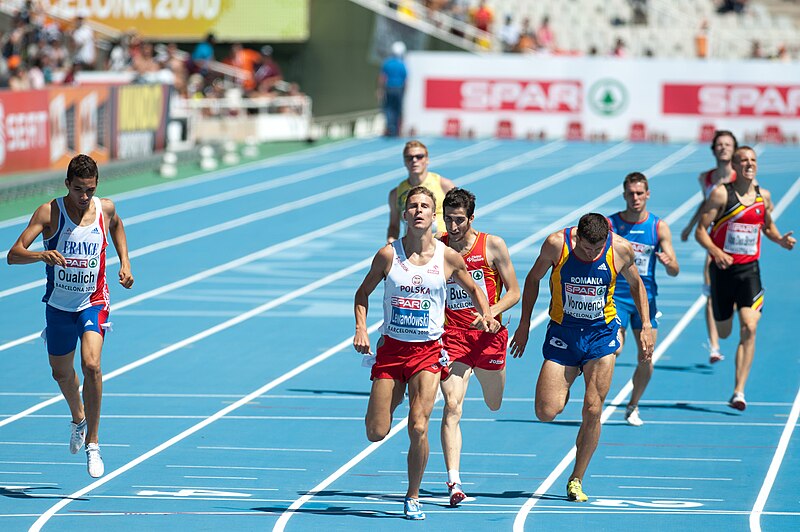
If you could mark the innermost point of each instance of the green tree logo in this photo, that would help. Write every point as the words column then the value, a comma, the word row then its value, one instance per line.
column 608, row 97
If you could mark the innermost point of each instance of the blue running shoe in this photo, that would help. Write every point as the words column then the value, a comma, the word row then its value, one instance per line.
column 413, row 509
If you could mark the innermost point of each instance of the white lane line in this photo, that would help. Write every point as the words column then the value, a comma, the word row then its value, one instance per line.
column 220, row 488
column 527, row 157
column 204, row 334
column 519, row 521
column 228, row 195
column 467, row 473
column 264, row 214
column 613, row 193
column 40, row 463
column 262, row 449
column 43, row 518
column 786, row 199
column 52, row 444
column 643, row 477
column 774, row 466
column 205, row 178
column 20, row 472
column 246, row 468
column 220, row 478
column 654, row 488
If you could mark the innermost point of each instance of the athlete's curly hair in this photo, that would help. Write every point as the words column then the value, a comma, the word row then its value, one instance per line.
column 83, row 167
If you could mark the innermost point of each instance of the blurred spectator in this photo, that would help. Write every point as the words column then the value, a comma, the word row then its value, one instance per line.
column 391, row 86
column 782, row 54
column 268, row 72
column 247, row 60
column 619, row 48
column 527, row 38
column 83, row 41
column 18, row 80
column 36, row 74
column 639, row 8
column 119, row 58
column 509, row 35
column 545, row 37
column 755, row 50
column 735, row 6
column 483, row 17
column 203, row 54
column 701, row 41
column 459, row 10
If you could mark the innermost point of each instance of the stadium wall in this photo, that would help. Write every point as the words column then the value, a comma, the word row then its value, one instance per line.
column 341, row 61
column 520, row 96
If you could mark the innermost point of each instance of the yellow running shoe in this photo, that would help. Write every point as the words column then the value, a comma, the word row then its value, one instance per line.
column 575, row 491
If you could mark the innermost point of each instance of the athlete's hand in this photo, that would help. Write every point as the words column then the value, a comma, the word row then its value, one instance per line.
column 125, row 277
column 52, row 257
column 787, row 241
column 361, row 342
column 478, row 322
column 492, row 325
column 685, row 233
column 648, row 343
column 722, row 259
column 663, row 258
column 519, row 340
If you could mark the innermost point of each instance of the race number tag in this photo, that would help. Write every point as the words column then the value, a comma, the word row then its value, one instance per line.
column 458, row 298
column 643, row 254
column 742, row 239
column 584, row 301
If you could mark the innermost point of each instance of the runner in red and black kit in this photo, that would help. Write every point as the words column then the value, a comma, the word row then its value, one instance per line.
column 736, row 214
column 472, row 351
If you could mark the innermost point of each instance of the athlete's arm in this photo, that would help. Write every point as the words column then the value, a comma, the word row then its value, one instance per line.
column 457, row 270
column 696, row 216
column 377, row 272
column 711, row 208
column 667, row 255
column 548, row 257
column 38, row 224
column 624, row 255
column 786, row 241
column 393, row 232
column 117, row 231
column 500, row 260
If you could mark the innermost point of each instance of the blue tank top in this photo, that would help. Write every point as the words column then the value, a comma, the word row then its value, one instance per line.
column 582, row 293
column 643, row 236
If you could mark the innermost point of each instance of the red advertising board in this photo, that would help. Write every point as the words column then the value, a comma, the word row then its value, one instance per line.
column 732, row 100
column 24, row 131
column 80, row 122
column 520, row 95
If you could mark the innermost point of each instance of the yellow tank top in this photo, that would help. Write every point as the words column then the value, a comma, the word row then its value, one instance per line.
column 432, row 182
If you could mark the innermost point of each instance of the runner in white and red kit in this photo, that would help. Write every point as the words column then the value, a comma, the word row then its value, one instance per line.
column 470, row 350
column 415, row 270
column 74, row 230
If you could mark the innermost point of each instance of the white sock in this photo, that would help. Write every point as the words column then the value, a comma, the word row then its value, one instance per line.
column 453, row 476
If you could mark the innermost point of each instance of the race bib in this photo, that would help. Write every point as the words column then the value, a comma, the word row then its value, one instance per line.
column 742, row 239
column 643, row 253
column 584, row 302
column 410, row 316
column 458, row 298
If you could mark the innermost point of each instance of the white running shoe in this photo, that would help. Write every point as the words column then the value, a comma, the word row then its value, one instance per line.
column 737, row 401
column 632, row 416
column 413, row 509
column 94, row 462
column 77, row 436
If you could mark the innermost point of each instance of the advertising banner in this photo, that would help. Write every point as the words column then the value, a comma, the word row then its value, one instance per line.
column 80, row 122
column 24, row 136
column 191, row 20
column 140, row 120
column 598, row 97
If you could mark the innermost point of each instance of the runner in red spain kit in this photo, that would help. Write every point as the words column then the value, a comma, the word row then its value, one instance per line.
column 470, row 350
column 415, row 270
column 736, row 214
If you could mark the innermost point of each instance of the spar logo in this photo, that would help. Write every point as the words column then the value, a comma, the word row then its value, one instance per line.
column 76, row 263
column 641, row 249
column 528, row 95
column 732, row 100
column 608, row 97
column 413, row 304
column 585, row 290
